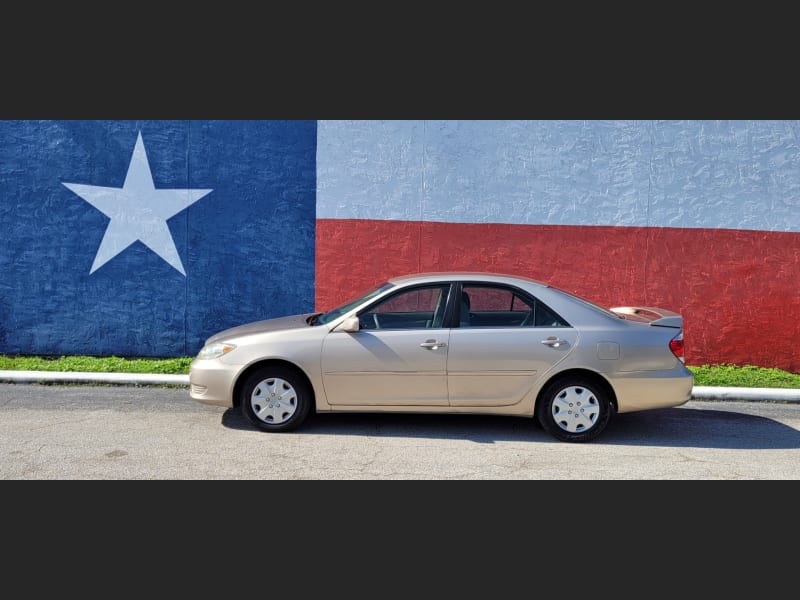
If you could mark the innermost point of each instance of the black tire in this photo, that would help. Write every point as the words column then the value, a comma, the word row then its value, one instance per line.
column 574, row 409
column 276, row 398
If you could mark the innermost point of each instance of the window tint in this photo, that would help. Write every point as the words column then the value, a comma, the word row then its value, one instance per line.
column 420, row 300
column 494, row 299
column 499, row 306
column 544, row 317
column 417, row 308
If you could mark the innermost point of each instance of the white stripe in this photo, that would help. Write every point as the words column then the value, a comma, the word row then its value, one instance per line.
column 691, row 174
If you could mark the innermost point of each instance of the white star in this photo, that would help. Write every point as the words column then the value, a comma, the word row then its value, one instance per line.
column 138, row 211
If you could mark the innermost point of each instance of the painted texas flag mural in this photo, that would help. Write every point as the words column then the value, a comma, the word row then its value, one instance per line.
column 700, row 217
column 142, row 238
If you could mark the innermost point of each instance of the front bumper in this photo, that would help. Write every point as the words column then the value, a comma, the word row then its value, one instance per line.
column 211, row 382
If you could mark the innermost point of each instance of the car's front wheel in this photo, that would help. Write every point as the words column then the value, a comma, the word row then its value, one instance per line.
column 574, row 409
column 275, row 398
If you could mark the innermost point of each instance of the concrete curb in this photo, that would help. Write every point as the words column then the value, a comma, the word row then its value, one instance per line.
column 698, row 392
column 747, row 394
column 82, row 377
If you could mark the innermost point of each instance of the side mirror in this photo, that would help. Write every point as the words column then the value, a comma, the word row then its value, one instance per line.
column 349, row 325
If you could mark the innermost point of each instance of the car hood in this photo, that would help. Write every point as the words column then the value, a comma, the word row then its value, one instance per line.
column 279, row 324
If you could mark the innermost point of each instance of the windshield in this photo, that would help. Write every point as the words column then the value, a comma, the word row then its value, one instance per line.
column 344, row 308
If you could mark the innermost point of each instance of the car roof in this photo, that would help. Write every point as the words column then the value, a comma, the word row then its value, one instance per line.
column 465, row 276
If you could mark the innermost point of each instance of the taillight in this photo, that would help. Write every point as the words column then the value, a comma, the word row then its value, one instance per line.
column 676, row 345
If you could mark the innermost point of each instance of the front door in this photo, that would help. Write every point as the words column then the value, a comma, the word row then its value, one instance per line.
column 397, row 358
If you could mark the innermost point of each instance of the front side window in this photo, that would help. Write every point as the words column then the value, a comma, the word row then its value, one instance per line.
column 415, row 308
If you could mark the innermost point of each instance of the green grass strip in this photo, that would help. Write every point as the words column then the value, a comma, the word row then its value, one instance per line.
column 93, row 364
column 727, row 375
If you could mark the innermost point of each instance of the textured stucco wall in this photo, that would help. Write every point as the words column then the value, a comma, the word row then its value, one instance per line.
column 702, row 217
column 696, row 174
column 246, row 247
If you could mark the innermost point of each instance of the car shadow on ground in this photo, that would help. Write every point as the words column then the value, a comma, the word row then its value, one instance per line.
column 678, row 427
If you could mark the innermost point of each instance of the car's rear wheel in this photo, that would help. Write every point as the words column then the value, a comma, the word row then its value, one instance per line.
column 574, row 409
column 275, row 398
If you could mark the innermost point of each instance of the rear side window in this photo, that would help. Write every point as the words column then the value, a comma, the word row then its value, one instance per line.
column 500, row 306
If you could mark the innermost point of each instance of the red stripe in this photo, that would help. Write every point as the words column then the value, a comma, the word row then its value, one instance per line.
column 737, row 290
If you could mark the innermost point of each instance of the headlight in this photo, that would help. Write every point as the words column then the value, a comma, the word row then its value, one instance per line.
column 214, row 350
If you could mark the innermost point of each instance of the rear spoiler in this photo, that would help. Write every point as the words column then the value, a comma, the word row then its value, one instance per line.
column 661, row 317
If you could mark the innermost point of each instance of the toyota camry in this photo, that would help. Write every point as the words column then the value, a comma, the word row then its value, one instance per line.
column 452, row 343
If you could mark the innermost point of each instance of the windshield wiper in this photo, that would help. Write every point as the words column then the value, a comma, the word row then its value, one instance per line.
column 313, row 319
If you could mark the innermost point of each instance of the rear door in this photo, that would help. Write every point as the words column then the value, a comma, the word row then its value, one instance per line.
column 505, row 341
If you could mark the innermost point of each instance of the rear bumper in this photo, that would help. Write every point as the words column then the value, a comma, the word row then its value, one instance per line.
column 643, row 390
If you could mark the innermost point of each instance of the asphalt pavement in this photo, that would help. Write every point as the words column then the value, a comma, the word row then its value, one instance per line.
column 698, row 392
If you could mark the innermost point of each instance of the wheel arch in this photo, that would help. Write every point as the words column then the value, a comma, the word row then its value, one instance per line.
column 237, row 388
column 594, row 376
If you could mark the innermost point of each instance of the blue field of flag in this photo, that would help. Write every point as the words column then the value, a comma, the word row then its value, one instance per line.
column 142, row 238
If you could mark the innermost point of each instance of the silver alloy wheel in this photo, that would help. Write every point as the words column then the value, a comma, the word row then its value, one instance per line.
column 575, row 409
column 274, row 400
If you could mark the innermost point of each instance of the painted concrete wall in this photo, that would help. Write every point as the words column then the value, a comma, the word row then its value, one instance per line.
column 144, row 237
column 702, row 217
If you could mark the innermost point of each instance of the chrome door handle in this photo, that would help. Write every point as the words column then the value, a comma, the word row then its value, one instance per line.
column 554, row 342
column 433, row 344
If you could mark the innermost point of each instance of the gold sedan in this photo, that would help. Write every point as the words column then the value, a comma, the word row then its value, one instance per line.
column 452, row 343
